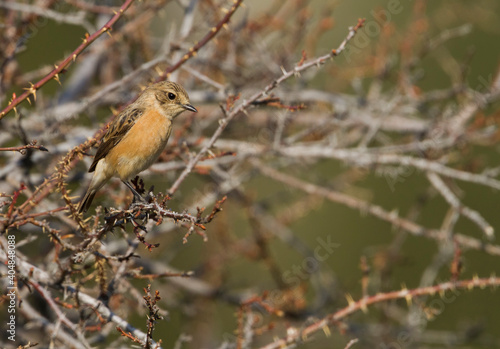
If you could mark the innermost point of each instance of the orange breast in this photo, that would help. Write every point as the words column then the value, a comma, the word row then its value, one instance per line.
column 141, row 146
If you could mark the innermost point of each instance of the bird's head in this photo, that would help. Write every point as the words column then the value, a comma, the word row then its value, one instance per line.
column 171, row 98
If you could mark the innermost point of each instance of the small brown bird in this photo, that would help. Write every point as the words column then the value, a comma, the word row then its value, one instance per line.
column 136, row 138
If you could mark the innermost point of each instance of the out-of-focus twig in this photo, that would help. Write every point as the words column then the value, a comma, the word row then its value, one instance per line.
column 207, row 38
column 72, row 19
column 30, row 271
column 448, row 195
column 232, row 112
column 22, row 149
column 373, row 209
column 363, row 303
column 54, row 74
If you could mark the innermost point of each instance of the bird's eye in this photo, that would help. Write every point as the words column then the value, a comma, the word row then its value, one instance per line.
column 171, row 96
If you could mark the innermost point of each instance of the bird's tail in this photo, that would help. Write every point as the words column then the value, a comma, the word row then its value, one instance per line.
column 100, row 177
column 86, row 200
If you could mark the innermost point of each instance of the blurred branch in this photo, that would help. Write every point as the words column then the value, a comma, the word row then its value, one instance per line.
column 209, row 36
column 54, row 74
column 67, row 18
column 61, row 317
column 351, row 343
column 230, row 113
column 363, row 303
column 22, row 149
column 473, row 215
column 86, row 6
column 375, row 210
column 362, row 158
column 29, row 271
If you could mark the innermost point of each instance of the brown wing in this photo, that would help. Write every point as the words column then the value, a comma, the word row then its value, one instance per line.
column 116, row 132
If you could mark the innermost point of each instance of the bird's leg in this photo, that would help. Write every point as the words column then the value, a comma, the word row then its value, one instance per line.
column 136, row 194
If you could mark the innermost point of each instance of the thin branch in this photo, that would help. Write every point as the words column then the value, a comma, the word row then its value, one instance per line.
column 31, row 272
column 60, row 315
column 363, row 303
column 231, row 113
column 209, row 36
column 67, row 18
column 454, row 201
column 375, row 210
column 362, row 158
column 351, row 343
column 54, row 74
column 38, row 320
column 22, row 149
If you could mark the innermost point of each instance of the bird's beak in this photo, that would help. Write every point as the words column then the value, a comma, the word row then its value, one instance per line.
column 189, row 107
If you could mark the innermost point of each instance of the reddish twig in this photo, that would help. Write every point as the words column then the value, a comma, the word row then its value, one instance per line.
column 230, row 114
column 40, row 214
column 154, row 314
column 209, row 36
column 54, row 74
column 141, row 238
column 363, row 303
column 45, row 294
column 276, row 102
column 129, row 335
column 23, row 149
column 15, row 196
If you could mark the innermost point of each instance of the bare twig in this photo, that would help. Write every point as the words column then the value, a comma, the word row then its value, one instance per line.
column 374, row 210
column 54, row 74
column 207, row 38
column 31, row 272
column 351, row 343
column 362, row 304
column 60, row 315
column 22, row 149
column 72, row 19
column 448, row 195
column 231, row 113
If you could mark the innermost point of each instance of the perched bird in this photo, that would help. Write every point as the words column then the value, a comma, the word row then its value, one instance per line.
column 136, row 138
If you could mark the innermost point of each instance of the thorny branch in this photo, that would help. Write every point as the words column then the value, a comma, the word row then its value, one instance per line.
column 231, row 112
column 22, row 149
column 364, row 303
column 59, row 68
column 28, row 271
column 375, row 210
column 367, row 134
column 223, row 23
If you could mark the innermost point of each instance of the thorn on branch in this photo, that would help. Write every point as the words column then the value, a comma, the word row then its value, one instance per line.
column 128, row 335
column 142, row 239
column 155, row 209
column 154, row 313
column 52, row 75
column 15, row 196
